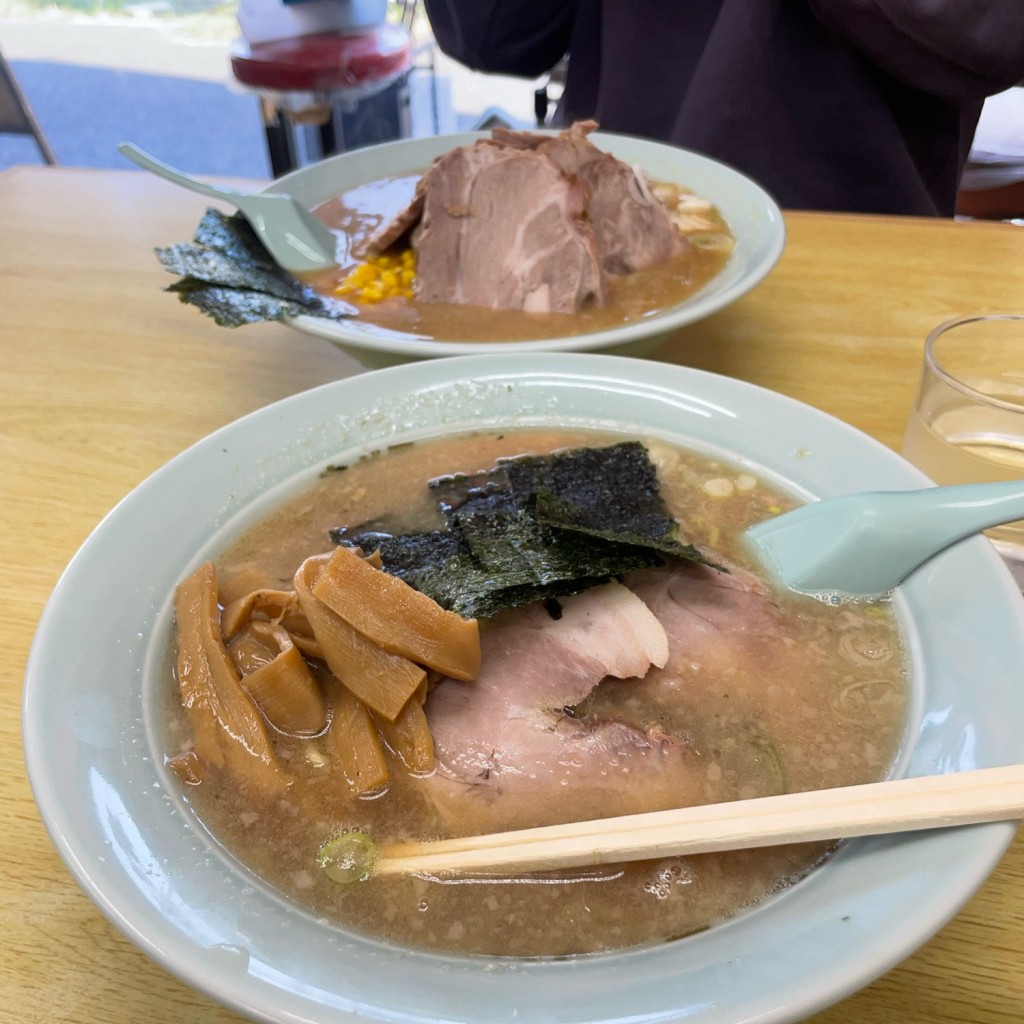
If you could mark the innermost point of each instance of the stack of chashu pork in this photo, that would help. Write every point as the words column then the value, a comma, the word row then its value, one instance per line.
column 530, row 222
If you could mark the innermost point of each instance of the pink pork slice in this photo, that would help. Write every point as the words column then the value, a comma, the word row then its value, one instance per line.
column 505, row 229
column 511, row 754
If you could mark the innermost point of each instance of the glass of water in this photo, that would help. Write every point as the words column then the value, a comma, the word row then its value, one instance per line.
column 967, row 423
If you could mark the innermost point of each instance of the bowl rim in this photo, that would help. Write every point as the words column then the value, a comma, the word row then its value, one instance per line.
column 969, row 854
column 693, row 308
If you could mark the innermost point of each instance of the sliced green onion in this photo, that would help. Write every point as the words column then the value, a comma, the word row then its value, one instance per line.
column 347, row 858
column 712, row 242
column 772, row 762
column 855, row 701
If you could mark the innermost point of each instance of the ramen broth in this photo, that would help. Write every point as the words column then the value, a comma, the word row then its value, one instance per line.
column 838, row 722
column 357, row 214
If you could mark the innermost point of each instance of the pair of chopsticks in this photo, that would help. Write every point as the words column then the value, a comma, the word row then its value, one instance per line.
column 900, row 805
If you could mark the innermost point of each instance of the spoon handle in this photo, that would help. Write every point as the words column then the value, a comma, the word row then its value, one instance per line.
column 150, row 163
column 948, row 514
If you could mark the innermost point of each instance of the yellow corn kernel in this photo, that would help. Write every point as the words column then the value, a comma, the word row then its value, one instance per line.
column 380, row 278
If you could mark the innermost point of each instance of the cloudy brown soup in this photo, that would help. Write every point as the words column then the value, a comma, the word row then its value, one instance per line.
column 768, row 693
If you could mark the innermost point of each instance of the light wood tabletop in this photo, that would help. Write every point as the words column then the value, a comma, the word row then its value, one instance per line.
column 105, row 378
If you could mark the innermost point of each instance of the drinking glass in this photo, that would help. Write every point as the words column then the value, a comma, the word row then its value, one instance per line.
column 967, row 423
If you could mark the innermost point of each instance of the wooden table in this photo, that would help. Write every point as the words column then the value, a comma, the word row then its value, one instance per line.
column 105, row 378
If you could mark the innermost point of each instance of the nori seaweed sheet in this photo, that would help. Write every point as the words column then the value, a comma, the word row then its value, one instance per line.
column 460, row 584
column 611, row 492
column 598, row 490
column 506, row 538
column 228, row 274
column 534, row 528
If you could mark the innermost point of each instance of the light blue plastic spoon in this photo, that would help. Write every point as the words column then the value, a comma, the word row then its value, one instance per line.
column 863, row 545
column 296, row 240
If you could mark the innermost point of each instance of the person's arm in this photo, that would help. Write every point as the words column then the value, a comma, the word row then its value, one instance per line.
column 960, row 50
column 513, row 37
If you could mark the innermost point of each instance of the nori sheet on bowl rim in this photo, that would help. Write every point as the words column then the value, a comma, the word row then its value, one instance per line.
column 227, row 273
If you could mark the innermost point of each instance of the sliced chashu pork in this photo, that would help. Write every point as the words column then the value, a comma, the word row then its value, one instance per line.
column 510, row 752
column 450, row 177
column 632, row 227
column 714, row 621
column 504, row 229
column 530, row 221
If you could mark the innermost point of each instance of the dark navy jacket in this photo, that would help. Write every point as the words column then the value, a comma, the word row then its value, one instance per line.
column 862, row 105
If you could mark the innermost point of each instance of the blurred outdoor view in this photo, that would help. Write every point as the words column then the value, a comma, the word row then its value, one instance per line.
column 158, row 73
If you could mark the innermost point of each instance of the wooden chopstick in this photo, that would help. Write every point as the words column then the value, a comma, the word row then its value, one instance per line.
column 900, row 805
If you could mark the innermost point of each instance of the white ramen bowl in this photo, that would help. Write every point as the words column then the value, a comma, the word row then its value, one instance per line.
column 93, row 736
column 751, row 213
